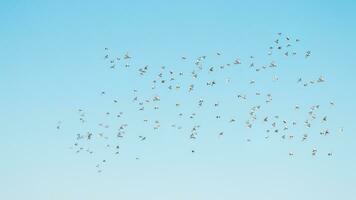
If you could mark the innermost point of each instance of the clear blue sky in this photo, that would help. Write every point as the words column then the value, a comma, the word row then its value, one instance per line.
column 51, row 64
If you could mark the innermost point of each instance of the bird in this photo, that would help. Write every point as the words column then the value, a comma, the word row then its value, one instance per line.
column 59, row 125
column 307, row 54
column 127, row 56
column 237, row 62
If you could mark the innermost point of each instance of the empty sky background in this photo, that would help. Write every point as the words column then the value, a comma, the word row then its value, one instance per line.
column 51, row 64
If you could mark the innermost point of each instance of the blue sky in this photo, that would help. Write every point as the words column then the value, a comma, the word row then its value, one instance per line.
column 52, row 64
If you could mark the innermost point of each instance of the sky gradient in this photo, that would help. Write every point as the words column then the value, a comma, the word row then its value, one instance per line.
column 52, row 64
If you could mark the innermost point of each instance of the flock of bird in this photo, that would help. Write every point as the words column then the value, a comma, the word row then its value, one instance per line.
column 201, row 76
